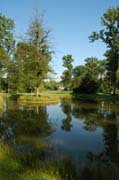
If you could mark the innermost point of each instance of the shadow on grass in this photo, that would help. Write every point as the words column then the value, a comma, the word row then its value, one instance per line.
column 11, row 169
column 96, row 97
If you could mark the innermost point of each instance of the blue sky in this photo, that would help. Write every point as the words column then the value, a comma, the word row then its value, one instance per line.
column 71, row 21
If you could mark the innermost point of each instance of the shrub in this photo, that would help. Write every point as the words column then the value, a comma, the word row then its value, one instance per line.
column 88, row 85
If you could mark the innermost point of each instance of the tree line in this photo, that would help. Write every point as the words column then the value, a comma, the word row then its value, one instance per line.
column 25, row 64
column 97, row 75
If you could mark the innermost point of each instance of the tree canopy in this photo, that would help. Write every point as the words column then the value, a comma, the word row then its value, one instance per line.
column 25, row 64
column 67, row 74
column 110, row 36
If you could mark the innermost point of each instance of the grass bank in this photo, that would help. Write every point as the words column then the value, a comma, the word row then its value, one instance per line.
column 54, row 96
column 1, row 102
column 46, row 97
column 96, row 97
column 50, row 97
column 11, row 168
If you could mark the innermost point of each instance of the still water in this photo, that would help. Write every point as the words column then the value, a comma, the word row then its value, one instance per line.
column 71, row 130
column 68, row 129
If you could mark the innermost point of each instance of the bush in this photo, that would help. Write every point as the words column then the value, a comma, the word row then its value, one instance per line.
column 88, row 85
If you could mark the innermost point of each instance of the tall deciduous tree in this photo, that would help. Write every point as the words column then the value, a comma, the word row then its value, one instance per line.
column 78, row 73
column 7, row 43
column 38, row 38
column 24, row 56
column 112, row 68
column 67, row 74
column 90, row 77
column 110, row 36
column 6, row 34
column 92, row 66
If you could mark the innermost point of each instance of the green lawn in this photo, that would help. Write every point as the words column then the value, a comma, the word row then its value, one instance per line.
column 97, row 97
column 54, row 96
column 45, row 97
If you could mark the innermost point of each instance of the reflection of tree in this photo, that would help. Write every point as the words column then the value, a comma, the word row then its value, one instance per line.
column 87, row 114
column 111, row 133
column 110, row 152
column 105, row 116
column 66, row 108
column 25, row 129
column 68, row 169
column 26, row 121
column 95, row 115
column 110, row 140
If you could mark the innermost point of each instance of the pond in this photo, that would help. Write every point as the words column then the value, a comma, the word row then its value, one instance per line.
column 67, row 130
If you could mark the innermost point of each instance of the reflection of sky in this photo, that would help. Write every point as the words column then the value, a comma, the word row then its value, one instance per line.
column 78, row 141
column 87, row 127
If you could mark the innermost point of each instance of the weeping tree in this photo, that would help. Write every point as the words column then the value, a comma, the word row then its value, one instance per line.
column 110, row 36
column 38, row 38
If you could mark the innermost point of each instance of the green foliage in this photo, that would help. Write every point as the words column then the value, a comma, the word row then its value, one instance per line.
column 67, row 74
column 112, row 69
column 91, row 66
column 6, row 34
column 90, row 77
column 3, row 60
column 12, row 77
column 110, row 36
column 78, row 73
column 88, row 85
column 32, row 58
column 25, row 55
column 7, row 43
column 1, row 102
column 51, row 85
column 66, row 79
column 25, row 65
column 38, row 38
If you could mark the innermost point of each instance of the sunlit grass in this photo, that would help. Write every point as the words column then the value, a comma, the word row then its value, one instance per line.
column 13, row 169
column 45, row 97
column 49, row 96
column 38, row 100
column 41, row 175
column 1, row 102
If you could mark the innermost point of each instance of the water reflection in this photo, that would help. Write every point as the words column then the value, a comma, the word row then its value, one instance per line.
column 25, row 129
column 66, row 108
column 104, row 115
column 87, row 113
column 92, row 130
column 111, row 141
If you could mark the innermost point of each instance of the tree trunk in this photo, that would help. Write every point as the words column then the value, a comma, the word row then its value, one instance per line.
column 37, row 109
column 114, row 89
column 37, row 92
